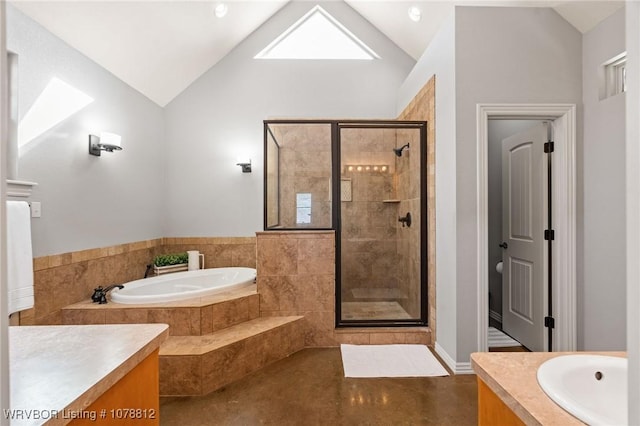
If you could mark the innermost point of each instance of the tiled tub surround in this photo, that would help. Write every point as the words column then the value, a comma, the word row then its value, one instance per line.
column 296, row 276
column 68, row 278
column 219, row 252
column 63, row 279
column 214, row 340
column 191, row 317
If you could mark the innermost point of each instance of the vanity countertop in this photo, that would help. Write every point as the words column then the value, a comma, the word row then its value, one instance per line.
column 512, row 377
column 57, row 371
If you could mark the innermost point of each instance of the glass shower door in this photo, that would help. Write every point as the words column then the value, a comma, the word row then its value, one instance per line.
column 382, row 231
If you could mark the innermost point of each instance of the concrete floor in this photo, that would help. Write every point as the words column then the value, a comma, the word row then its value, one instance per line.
column 309, row 388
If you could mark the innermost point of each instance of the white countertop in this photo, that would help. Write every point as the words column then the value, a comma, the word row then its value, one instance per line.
column 63, row 369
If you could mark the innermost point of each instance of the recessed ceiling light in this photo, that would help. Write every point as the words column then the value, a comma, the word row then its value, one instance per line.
column 415, row 14
column 221, row 10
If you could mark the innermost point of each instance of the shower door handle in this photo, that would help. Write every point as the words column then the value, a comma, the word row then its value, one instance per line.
column 504, row 245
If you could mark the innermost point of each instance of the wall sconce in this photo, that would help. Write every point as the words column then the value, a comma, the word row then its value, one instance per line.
column 245, row 164
column 106, row 142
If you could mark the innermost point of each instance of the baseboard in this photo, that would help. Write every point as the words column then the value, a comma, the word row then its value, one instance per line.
column 495, row 316
column 456, row 367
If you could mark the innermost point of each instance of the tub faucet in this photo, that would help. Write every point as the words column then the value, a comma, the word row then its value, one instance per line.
column 99, row 295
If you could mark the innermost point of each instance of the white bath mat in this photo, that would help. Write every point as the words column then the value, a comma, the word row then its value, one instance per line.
column 390, row 361
column 497, row 339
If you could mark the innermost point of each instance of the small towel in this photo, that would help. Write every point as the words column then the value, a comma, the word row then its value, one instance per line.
column 19, row 256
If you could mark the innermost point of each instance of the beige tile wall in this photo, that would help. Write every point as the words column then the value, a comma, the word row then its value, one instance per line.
column 219, row 252
column 422, row 107
column 369, row 226
column 68, row 278
column 296, row 276
column 304, row 167
column 408, row 247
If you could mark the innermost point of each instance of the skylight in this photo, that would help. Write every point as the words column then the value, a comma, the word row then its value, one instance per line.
column 317, row 35
column 57, row 102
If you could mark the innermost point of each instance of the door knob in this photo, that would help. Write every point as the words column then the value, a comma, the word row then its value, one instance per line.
column 504, row 245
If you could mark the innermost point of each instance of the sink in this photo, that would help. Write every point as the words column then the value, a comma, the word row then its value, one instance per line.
column 591, row 387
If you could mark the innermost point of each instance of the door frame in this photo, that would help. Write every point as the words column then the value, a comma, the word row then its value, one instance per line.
column 563, row 211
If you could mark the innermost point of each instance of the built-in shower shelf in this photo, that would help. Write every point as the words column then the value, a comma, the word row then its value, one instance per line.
column 390, row 201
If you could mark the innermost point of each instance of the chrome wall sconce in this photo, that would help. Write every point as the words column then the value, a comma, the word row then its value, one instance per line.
column 245, row 164
column 106, row 142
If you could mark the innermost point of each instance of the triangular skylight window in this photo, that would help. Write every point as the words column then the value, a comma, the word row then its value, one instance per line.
column 317, row 35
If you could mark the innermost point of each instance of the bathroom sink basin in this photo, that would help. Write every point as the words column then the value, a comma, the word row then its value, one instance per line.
column 591, row 387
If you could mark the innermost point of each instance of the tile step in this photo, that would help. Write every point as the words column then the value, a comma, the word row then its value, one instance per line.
column 199, row 345
column 197, row 365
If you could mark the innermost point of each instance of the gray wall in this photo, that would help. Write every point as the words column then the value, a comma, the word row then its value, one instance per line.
column 502, row 55
column 220, row 116
column 439, row 60
column 497, row 131
column 633, row 206
column 87, row 201
column 602, row 285
column 510, row 55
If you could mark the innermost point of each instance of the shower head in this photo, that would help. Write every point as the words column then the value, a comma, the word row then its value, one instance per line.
column 398, row 151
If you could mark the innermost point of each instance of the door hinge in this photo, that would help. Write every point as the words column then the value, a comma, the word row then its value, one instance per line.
column 548, row 147
column 549, row 234
column 549, row 322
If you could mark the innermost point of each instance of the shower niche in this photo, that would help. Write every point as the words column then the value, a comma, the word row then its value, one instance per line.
column 367, row 181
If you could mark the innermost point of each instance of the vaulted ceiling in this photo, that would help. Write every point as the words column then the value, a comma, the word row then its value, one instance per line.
column 161, row 47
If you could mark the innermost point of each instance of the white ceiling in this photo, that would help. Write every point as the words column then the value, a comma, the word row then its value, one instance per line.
column 161, row 47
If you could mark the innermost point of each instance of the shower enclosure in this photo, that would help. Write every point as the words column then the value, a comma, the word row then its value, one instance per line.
column 367, row 181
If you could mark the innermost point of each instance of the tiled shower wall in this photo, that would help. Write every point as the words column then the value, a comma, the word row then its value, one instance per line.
column 68, row 278
column 422, row 107
column 296, row 276
column 369, row 225
column 304, row 167
column 408, row 241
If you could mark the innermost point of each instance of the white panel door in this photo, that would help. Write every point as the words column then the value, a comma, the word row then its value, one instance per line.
column 523, row 219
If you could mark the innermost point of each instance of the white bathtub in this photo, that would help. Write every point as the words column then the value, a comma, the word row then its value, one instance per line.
column 183, row 285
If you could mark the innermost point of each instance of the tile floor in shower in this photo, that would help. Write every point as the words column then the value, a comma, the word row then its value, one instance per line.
column 374, row 304
column 373, row 310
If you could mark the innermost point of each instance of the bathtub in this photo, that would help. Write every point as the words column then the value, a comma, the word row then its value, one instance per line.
column 183, row 285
